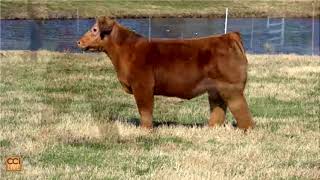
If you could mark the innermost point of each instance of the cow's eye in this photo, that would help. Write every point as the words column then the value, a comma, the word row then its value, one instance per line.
column 94, row 30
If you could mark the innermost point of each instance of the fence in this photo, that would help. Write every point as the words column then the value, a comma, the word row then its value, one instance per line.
column 260, row 35
column 267, row 35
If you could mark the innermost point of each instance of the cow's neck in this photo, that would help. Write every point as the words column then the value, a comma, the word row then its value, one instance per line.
column 120, row 41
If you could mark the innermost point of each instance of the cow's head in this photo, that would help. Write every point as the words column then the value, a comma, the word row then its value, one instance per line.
column 97, row 36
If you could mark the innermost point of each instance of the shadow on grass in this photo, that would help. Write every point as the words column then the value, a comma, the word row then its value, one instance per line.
column 136, row 122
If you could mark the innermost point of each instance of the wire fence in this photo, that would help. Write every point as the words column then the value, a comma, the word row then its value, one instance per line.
column 260, row 35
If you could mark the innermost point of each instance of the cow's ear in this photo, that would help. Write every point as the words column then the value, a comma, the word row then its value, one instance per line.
column 105, row 26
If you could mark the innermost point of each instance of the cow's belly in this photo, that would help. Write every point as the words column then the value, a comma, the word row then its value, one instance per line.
column 185, row 89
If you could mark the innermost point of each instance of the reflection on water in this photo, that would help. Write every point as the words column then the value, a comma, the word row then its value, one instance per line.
column 61, row 35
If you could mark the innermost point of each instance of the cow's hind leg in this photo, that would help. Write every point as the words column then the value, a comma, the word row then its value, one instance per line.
column 217, row 109
column 239, row 109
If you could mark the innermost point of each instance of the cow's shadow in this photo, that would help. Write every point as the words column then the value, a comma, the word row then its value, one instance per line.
column 166, row 123
column 158, row 123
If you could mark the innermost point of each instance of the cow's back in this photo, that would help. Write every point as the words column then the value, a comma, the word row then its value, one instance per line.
column 179, row 66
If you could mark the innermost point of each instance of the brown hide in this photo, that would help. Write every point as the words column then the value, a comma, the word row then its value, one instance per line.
column 178, row 68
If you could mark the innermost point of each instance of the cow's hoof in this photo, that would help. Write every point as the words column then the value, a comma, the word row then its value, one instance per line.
column 146, row 127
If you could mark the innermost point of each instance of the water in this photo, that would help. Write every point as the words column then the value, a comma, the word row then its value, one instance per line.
column 295, row 36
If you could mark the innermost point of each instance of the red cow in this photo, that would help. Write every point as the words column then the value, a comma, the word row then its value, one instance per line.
column 186, row 68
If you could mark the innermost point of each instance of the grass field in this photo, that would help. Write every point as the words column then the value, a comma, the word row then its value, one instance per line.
column 67, row 116
column 44, row 9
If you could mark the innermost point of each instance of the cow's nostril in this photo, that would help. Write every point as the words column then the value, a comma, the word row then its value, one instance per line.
column 78, row 42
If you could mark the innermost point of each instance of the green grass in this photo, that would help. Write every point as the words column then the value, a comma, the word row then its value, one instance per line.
column 68, row 117
column 36, row 9
column 4, row 143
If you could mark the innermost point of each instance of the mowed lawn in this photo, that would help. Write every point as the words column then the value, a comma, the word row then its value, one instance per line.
column 68, row 117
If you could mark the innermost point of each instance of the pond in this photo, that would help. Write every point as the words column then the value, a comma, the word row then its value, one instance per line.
column 260, row 35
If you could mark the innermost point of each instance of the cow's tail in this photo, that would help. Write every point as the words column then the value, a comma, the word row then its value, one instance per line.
column 240, row 49
column 237, row 37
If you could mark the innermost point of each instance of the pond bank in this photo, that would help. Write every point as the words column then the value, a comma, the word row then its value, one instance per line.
column 140, row 9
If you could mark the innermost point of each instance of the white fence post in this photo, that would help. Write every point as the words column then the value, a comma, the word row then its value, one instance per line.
column 149, row 28
column 77, row 21
column 226, row 22
column 182, row 24
column 312, row 35
column 282, row 32
column 251, row 40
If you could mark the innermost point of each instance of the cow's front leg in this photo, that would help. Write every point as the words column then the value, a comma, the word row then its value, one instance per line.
column 144, row 99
